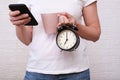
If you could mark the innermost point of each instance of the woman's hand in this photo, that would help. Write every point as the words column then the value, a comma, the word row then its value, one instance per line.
column 24, row 34
column 19, row 19
column 65, row 18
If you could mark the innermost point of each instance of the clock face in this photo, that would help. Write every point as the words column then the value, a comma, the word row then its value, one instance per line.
column 66, row 39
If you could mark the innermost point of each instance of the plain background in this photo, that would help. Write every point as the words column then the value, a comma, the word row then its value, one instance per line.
column 104, row 55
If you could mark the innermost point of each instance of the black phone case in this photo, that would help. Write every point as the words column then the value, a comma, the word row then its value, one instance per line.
column 23, row 9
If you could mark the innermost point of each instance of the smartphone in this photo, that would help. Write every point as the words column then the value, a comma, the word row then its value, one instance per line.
column 24, row 9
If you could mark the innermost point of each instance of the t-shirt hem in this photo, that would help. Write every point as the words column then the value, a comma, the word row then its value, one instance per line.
column 57, row 72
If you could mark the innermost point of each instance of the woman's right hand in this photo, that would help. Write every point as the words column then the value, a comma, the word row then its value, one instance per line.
column 18, row 19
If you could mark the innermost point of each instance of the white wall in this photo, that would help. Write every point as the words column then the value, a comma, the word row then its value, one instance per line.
column 104, row 55
column 13, row 55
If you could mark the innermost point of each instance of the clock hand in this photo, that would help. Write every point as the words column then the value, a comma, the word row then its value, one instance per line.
column 66, row 38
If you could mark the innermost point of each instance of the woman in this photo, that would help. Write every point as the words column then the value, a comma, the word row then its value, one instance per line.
column 46, row 61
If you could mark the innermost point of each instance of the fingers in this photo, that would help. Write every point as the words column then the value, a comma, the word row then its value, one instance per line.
column 70, row 18
column 19, row 19
column 63, row 19
column 21, row 22
column 66, row 18
column 66, row 14
column 14, row 13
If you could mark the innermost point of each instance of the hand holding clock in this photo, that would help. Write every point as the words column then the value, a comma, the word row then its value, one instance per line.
column 67, row 39
column 66, row 18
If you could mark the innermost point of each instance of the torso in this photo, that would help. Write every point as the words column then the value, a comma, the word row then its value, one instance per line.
column 45, row 56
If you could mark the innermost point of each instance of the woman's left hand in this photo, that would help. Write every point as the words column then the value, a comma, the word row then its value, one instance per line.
column 66, row 18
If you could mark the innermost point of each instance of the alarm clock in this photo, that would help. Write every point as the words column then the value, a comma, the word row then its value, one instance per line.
column 67, row 38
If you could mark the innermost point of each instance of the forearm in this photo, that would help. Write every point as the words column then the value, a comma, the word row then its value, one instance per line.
column 23, row 34
column 89, row 32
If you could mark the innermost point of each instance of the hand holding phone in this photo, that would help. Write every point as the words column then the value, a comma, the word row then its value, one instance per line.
column 23, row 10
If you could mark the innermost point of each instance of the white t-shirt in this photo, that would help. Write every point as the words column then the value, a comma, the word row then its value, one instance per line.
column 45, row 57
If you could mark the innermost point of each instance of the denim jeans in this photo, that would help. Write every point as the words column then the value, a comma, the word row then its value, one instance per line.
column 73, row 76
